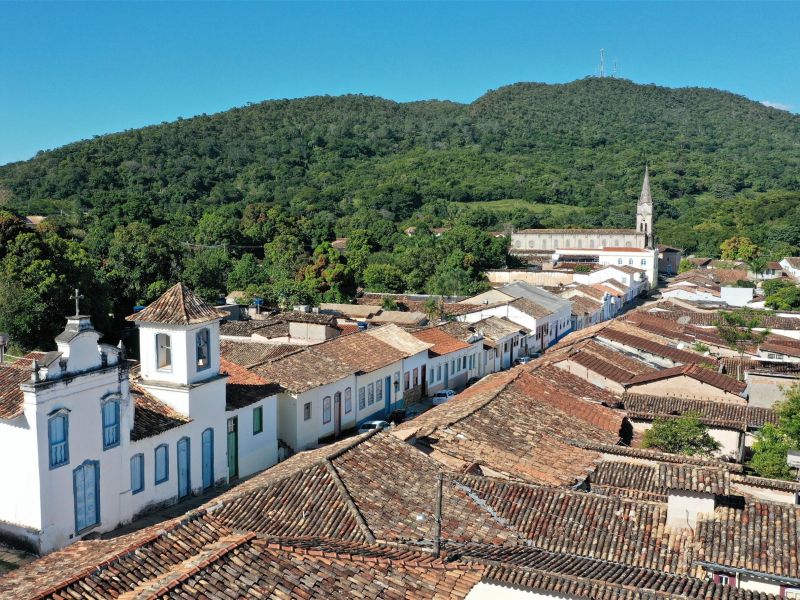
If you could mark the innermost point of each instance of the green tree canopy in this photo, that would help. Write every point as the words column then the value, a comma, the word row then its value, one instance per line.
column 682, row 435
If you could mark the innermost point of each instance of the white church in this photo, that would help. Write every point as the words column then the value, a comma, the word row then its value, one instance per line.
column 621, row 247
column 89, row 442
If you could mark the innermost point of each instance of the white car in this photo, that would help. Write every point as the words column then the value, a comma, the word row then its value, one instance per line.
column 370, row 425
column 441, row 397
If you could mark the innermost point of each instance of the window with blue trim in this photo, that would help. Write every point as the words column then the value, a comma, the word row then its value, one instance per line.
column 110, row 424
column 162, row 463
column 137, row 473
column 58, row 439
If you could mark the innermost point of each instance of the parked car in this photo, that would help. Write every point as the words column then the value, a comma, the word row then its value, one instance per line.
column 472, row 380
column 522, row 360
column 441, row 397
column 370, row 425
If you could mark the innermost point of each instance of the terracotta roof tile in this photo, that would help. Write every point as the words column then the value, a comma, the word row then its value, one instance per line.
column 707, row 376
column 360, row 351
column 645, row 345
column 442, row 342
column 152, row 417
column 712, row 413
column 760, row 537
column 12, row 375
column 245, row 387
column 178, row 306
column 248, row 354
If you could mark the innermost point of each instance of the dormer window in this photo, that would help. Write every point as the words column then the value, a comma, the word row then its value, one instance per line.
column 202, row 340
column 163, row 352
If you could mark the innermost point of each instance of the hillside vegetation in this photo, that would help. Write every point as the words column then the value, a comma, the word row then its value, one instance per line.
column 249, row 197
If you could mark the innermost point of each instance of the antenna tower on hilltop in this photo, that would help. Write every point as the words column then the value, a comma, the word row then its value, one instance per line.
column 602, row 62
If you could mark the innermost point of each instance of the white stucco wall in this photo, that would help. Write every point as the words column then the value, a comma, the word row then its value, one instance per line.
column 257, row 451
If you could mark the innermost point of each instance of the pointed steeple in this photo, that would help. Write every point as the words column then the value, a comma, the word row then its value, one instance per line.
column 645, row 197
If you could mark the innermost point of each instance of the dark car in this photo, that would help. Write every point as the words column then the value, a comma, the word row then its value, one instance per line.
column 397, row 416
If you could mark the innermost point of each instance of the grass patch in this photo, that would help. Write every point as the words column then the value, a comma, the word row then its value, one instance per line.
column 557, row 210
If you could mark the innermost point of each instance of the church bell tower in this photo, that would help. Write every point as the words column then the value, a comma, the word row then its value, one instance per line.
column 644, row 211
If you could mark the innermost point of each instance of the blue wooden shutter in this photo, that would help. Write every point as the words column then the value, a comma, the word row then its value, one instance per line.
column 208, row 458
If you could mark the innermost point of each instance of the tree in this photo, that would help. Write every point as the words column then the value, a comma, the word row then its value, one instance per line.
column 757, row 265
column 681, row 435
column 738, row 329
column 770, row 450
column 388, row 303
column 206, row 273
column 771, row 286
column 788, row 411
column 739, row 248
column 785, row 299
column 384, row 278
column 686, row 265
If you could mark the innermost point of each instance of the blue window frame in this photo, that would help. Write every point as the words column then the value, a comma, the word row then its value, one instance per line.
column 86, row 494
column 137, row 473
column 110, row 410
column 58, row 438
column 162, row 464
column 208, row 458
column 258, row 420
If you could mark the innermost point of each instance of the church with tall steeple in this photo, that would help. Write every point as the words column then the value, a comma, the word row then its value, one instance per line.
column 644, row 211
column 530, row 243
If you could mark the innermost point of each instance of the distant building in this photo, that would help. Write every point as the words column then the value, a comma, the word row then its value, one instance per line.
column 555, row 239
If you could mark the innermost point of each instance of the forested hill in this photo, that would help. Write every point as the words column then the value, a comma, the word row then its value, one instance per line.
column 250, row 198
column 581, row 144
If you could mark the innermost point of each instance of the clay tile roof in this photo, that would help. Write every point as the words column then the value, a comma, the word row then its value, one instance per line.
column 361, row 352
column 760, row 537
column 474, row 428
column 694, row 479
column 303, row 370
column 443, row 342
column 242, row 328
column 496, row 328
column 719, row 414
column 584, row 306
column 718, row 380
column 245, row 387
column 12, row 375
column 709, row 319
column 178, row 306
column 793, row 261
column 531, row 308
column 152, row 417
column 601, row 366
column 248, row 354
column 652, row 482
column 653, row 347
column 788, row 349
column 650, row 454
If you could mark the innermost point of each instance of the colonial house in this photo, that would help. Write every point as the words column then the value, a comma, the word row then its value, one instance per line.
column 632, row 278
column 689, row 381
column 90, row 446
column 451, row 361
column 791, row 265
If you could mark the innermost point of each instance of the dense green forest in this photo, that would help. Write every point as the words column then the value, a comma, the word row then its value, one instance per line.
column 251, row 198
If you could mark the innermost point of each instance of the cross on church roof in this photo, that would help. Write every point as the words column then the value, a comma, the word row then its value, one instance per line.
column 77, row 296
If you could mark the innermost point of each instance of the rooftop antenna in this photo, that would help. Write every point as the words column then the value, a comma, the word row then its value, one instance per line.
column 602, row 62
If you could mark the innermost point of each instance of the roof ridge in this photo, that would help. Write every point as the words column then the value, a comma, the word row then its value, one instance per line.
column 349, row 502
column 168, row 528
column 182, row 571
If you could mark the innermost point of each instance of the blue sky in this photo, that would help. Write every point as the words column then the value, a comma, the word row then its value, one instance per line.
column 69, row 71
